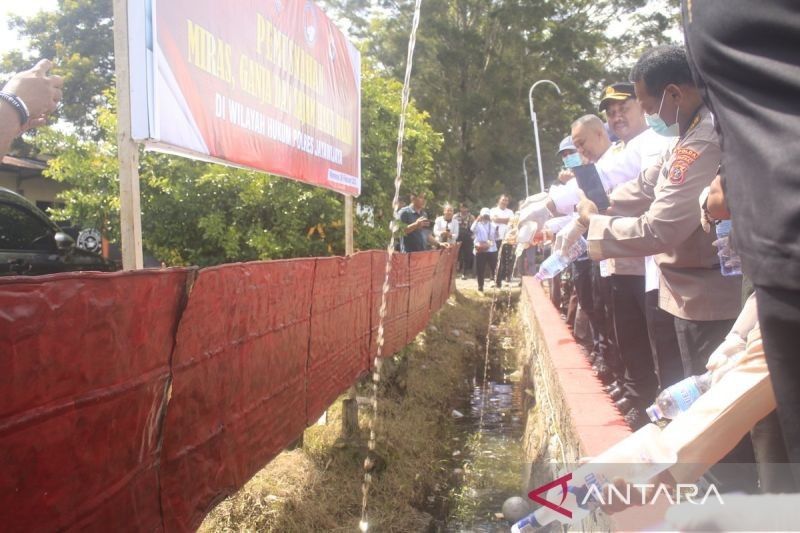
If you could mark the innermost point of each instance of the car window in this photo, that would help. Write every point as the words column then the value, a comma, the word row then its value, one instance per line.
column 21, row 230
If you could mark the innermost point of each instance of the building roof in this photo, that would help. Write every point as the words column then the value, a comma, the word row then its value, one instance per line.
column 22, row 162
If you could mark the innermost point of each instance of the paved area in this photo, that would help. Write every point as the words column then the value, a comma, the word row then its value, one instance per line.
column 472, row 284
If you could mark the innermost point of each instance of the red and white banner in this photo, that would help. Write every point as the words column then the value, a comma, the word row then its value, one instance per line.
column 271, row 85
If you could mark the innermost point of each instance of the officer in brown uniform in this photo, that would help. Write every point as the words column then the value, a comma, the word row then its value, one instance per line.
column 703, row 303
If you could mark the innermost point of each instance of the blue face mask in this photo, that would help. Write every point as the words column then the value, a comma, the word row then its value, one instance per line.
column 657, row 124
column 572, row 160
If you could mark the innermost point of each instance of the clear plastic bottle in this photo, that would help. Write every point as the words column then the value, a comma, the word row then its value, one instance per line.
column 605, row 268
column 576, row 501
column 636, row 459
column 730, row 263
column 677, row 398
column 557, row 262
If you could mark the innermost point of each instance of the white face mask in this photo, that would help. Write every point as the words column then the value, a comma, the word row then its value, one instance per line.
column 657, row 124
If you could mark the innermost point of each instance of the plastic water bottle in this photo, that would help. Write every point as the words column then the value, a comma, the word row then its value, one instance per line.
column 578, row 501
column 557, row 262
column 605, row 268
column 677, row 398
column 637, row 459
column 730, row 263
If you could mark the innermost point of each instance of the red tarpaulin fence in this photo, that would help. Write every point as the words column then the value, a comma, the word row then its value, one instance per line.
column 84, row 373
column 136, row 401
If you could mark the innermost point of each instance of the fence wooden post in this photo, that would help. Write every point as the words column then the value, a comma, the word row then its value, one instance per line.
column 127, row 151
column 350, row 429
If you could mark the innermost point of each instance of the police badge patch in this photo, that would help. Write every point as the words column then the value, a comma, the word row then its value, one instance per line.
column 683, row 159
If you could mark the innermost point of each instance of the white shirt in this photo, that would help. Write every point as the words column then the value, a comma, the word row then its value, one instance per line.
column 440, row 225
column 639, row 154
column 496, row 212
column 650, row 146
column 485, row 231
column 616, row 166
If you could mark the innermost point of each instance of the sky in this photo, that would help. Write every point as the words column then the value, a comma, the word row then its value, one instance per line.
column 9, row 39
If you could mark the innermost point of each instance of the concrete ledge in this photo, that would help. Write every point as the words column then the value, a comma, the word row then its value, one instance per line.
column 573, row 409
column 595, row 421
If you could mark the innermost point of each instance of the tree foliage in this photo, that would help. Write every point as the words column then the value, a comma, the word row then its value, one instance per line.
column 475, row 62
column 78, row 37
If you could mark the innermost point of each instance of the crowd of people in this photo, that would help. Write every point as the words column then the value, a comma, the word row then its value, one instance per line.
column 691, row 259
column 683, row 274
column 488, row 240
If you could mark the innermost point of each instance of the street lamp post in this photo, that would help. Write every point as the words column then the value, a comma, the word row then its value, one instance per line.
column 525, row 172
column 536, row 128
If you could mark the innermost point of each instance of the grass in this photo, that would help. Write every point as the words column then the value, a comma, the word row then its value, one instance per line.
column 318, row 487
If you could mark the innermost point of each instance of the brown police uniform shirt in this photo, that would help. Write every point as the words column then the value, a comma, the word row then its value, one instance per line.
column 666, row 196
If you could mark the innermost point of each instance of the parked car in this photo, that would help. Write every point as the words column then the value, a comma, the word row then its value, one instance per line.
column 32, row 244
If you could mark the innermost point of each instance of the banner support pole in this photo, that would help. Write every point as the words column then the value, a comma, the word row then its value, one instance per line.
column 127, row 150
column 348, row 225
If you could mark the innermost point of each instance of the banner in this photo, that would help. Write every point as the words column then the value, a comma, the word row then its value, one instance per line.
column 270, row 85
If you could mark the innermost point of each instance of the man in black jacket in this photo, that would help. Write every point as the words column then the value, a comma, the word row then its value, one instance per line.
column 745, row 56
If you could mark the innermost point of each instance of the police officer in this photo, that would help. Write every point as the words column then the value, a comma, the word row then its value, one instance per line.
column 703, row 303
column 636, row 324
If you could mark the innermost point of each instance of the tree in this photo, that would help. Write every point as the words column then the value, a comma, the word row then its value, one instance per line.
column 474, row 64
column 78, row 37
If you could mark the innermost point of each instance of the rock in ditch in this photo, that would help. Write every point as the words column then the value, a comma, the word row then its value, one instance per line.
column 515, row 509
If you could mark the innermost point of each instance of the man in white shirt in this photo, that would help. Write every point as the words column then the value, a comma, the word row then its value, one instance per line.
column 485, row 243
column 625, row 291
column 501, row 215
column 645, row 334
column 445, row 228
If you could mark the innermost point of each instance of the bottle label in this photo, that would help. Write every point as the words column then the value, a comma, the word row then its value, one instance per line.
column 685, row 394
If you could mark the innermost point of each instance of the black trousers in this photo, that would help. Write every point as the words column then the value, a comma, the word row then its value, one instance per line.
column 582, row 281
column 779, row 317
column 602, row 294
column 465, row 256
column 505, row 262
column 633, row 341
column 663, row 342
column 771, row 459
column 697, row 340
column 482, row 260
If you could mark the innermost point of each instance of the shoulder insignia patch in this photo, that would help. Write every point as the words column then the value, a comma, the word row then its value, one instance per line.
column 681, row 161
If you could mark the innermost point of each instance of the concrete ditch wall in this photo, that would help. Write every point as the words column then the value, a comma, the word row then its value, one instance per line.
column 572, row 417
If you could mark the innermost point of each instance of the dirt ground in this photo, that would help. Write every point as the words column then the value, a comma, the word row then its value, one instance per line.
column 317, row 487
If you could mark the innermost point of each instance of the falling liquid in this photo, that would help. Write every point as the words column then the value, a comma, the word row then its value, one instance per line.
column 363, row 526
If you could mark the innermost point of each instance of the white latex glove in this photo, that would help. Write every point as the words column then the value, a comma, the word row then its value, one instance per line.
column 535, row 211
column 534, row 199
column 736, row 340
column 568, row 236
column 732, row 345
column 554, row 225
column 526, row 232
